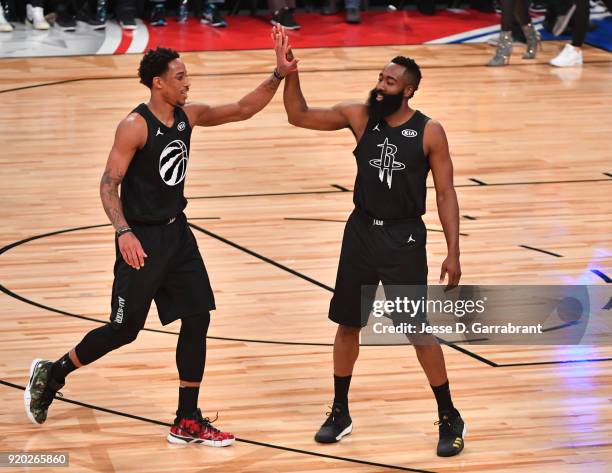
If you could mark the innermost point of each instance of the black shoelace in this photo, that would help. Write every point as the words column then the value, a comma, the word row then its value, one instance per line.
column 446, row 428
column 205, row 422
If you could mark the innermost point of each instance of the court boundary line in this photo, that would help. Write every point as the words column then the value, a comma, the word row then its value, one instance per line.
column 539, row 250
column 238, row 439
column 602, row 275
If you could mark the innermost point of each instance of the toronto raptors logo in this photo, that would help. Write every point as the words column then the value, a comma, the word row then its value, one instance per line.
column 386, row 163
column 173, row 163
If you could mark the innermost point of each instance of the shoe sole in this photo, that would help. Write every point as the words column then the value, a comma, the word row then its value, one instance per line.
column 175, row 439
column 38, row 28
column 339, row 437
column 27, row 396
column 573, row 64
column 216, row 25
column 273, row 22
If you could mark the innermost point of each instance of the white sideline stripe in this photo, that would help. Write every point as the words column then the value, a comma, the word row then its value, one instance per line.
column 487, row 30
column 466, row 34
column 140, row 38
column 112, row 38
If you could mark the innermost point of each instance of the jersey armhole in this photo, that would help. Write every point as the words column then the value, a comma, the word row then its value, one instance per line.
column 422, row 139
column 139, row 112
column 365, row 130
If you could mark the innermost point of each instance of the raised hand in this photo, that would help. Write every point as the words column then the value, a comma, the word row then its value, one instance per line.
column 285, row 62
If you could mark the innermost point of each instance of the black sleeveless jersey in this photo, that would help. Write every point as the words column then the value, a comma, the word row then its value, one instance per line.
column 152, row 189
column 392, row 170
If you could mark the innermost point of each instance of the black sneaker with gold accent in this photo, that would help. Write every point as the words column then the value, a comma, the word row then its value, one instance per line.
column 337, row 425
column 452, row 430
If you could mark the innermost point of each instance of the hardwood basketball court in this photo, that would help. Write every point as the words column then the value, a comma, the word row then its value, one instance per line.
column 267, row 201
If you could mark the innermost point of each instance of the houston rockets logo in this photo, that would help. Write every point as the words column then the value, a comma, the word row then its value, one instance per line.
column 387, row 163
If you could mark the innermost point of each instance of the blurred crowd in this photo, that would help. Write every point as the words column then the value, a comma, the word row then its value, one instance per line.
column 561, row 16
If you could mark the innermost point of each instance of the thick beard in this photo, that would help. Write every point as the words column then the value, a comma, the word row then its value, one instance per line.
column 390, row 103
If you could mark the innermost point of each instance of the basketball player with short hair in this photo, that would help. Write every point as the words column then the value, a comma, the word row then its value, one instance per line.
column 384, row 238
column 157, row 254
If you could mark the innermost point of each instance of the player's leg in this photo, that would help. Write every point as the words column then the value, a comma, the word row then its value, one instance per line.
column 355, row 288
column 404, row 273
column 189, row 425
column 133, row 291
column 186, row 294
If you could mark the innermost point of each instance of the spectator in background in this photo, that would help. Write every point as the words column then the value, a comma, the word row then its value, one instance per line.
column 210, row 14
column 351, row 7
column 93, row 12
column 125, row 11
column 35, row 15
column 157, row 15
column 65, row 11
column 282, row 13
column 571, row 54
column 5, row 26
column 503, row 50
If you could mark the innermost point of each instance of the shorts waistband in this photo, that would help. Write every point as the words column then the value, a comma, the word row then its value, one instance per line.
column 167, row 221
column 378, row 222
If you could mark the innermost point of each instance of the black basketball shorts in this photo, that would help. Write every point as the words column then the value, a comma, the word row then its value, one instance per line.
column 173, row 275
column 371, row 253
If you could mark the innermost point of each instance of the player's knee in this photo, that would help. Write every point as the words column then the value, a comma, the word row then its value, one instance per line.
column 348, row 333
column 124, row 336
column 195, row 325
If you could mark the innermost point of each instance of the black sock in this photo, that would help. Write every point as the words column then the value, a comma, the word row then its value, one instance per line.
column 443, row 398
column 341, row 389
column 62, row 368
column 188, row 401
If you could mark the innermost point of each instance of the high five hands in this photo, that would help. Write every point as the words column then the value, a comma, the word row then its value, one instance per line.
column 285, row 62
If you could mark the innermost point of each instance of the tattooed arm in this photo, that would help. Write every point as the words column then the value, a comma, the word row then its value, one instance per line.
column 109, row 193
column 130, row 136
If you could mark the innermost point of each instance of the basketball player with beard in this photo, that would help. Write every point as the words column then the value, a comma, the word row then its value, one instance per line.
column 157, row 257
column 384, row 238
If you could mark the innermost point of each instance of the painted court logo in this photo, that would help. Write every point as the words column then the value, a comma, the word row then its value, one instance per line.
column 120, row 307
column 173, row 163
column 387, row 163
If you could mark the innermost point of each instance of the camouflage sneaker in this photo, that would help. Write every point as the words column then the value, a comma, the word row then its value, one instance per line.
column 40, row 391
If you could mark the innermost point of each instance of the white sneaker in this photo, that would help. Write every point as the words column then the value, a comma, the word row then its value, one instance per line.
column 5, row 26
column 568, row 57
column 36, row 17
column 597, row 6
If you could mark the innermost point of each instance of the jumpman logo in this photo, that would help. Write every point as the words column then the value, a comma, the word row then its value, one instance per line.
column 158, row 132
column 410, row 239
column 387, row 162
column 376, row 127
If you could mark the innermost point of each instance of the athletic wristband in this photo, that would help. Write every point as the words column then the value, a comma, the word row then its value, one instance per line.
column 277, row 74
column 123, row 231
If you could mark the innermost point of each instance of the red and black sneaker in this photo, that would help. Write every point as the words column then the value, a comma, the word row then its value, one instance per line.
column 199, row 430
